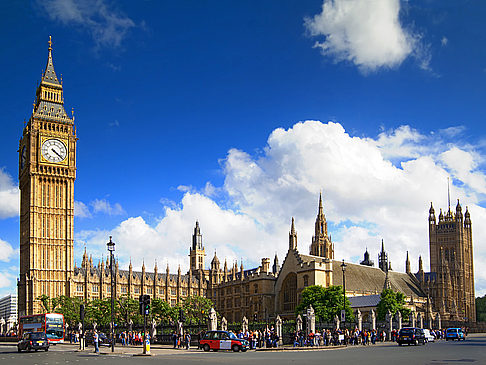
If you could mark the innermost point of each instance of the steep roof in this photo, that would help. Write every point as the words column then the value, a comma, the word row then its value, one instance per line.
column 366, row 279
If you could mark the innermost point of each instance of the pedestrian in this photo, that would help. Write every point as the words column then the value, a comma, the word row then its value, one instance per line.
column 174, row 339
column 96, row 339
column 188, row 340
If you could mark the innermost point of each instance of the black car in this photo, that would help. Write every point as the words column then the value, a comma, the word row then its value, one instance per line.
column 411, row 336
column 33, row 341
column 103, row 340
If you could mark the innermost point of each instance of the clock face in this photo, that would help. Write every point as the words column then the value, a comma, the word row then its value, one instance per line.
column 23, row 157
column 53, row 150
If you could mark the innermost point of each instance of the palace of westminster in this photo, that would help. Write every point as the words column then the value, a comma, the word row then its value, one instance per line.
column 47, row 171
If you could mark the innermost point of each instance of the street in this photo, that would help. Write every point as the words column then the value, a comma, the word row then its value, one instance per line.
column 473, row 350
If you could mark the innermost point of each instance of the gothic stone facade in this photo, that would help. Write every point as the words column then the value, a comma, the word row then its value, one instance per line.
column 47, row 170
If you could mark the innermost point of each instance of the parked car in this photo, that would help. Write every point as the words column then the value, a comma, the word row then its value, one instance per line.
column 455, row 334
column 103, row 340
column 429, row 337
column 33, row 341
column 222, row 340
column 411, row 336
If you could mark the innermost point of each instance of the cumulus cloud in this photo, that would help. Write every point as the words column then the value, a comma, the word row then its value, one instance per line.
column 367, row 33
column 81, row 210
column 367, row 197
column 6, row 251
column 104, row 206
column 107, row 25
column 9, row 196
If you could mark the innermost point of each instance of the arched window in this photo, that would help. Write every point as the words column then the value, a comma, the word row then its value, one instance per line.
column 289, row 293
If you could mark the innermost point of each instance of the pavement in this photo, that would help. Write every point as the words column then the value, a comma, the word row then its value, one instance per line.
column 471, row 351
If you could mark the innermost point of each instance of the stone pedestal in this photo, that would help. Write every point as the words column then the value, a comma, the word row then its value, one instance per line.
column 298, row 323
column 399, row 320
column 359, row 320
column 278, row 330
column 420, row 320
column 389, row 324
column 311, row 320
column 373, row 319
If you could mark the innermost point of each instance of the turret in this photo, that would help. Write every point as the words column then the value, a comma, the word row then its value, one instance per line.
column 225, row 270
column 467, row 218
column 292, row 237
column 242, row 273
column 431, row 214
column 366, row 259
column 407, row 265
column 383, row 258
column 421, row 265
column 266, row 265
column 276, row 266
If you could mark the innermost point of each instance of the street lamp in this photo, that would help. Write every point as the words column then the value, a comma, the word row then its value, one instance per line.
column 343, row 267
column 111, row 249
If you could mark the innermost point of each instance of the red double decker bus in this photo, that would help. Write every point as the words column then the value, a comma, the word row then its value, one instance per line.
column 52, row 324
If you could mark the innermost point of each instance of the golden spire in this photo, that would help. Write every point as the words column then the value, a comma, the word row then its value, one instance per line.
column 50, row 43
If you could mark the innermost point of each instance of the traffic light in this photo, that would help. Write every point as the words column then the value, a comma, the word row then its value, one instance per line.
column 144, row 304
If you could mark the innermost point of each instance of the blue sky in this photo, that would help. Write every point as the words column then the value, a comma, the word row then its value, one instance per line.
column 239, row 113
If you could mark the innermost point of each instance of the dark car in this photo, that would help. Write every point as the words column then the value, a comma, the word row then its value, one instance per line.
column 411, row 336
column 103, row 340
column 33, row 341
column 222, row 340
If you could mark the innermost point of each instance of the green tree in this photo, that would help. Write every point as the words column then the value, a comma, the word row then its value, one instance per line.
column 481, row 309
column 127, row 309
column 196, row 308
column 393, row 301
column 69, row 307
column 327, row 302
column 99, row 311
column 48, row 304
column 162, row 311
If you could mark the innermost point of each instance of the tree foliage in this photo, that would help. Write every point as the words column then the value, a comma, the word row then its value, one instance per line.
column 69, row 307
column 327, row 302
column 163, row 312
column 481, row 309
column 196, row 308
column 393, row 301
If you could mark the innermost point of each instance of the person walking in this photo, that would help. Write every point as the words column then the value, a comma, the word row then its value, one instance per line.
column 96, row 339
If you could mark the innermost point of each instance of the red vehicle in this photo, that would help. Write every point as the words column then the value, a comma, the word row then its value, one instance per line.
column 222, row 340
column 52, row 324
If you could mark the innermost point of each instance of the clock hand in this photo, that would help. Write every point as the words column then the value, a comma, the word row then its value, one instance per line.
column 53, row 150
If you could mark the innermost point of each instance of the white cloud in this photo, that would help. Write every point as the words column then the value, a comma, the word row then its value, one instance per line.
column 444, row 41
column 81, row 210
column 104, row 206
column 366, row 198
column 367, row 33
column 107, row 26
column 9, row 196
column 6, row 251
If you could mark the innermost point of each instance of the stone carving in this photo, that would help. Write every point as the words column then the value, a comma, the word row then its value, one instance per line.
column 244, row 324
column 399, row 320
column 213, row 320
column 389, row 322
column 224, row 324
column 336, row 321
column 278, row 329
column 311, row 320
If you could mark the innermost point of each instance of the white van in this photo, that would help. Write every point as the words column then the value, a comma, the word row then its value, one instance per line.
column 429, row 336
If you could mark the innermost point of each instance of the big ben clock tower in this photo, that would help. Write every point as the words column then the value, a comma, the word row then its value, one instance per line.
column 47, row 170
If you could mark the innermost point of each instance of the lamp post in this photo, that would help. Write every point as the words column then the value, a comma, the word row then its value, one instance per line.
column 111, row 249
column 343, row 267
